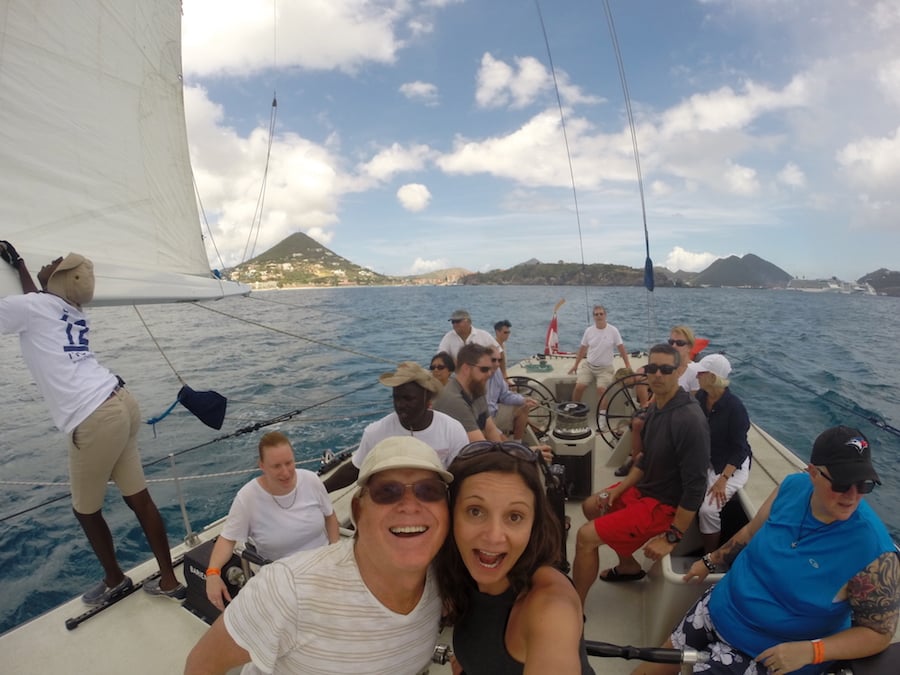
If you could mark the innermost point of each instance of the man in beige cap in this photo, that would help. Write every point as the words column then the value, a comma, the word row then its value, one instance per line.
column 364, row 605
column 91, row 405
column 414, row 388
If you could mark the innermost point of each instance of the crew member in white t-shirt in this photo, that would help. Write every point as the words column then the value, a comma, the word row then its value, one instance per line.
column 594, row 362
column 414, row 388
column 92, row 407
column 464, row 333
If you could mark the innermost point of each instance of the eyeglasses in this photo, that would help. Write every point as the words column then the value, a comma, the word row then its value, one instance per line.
column 511, row 448
column 599, row 313
column 665, row 369
column 437, row 366
column 386, row 492
column 677, row 343
column 456, row 321
column 863, row 487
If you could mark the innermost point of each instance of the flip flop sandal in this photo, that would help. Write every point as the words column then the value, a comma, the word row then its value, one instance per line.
column 613, row 576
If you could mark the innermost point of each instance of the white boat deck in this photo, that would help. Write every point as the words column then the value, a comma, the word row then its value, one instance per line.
column 143, row 635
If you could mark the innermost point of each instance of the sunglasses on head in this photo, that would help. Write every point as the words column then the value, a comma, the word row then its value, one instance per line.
column 863, row 487
column 386, row 492
column 677, row 343
column 511, row 448
column 665, row 369
column 437, row 366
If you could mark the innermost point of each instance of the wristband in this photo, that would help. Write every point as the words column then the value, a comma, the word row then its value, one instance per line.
column 710, row 565
column 818, row 651
column 213, row 572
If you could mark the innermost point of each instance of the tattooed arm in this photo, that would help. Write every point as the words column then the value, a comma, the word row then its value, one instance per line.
column 727, row 552
column 725, row 555
column 874, row 597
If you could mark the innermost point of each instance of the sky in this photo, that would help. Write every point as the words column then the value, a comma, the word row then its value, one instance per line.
column 416, row 135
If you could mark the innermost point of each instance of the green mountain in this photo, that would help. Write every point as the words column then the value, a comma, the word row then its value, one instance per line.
column 749, row 271
column 535, row 273
column 300, row 260
column 886, row 282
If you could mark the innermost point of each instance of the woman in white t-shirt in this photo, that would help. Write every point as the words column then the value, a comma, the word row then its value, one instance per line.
column 283, row 511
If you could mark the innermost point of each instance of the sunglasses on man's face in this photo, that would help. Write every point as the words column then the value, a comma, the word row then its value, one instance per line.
column 456, row 321
column 863, row 487
column 677, row 343
column 483, row 369
column 653, row 368
column 385, row 492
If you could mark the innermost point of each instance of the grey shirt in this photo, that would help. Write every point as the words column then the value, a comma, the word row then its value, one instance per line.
column 471, row 413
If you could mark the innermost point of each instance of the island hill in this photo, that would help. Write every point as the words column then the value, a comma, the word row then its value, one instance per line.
column 300, row 261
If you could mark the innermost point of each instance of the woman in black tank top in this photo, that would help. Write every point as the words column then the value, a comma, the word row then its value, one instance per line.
column 512, row 610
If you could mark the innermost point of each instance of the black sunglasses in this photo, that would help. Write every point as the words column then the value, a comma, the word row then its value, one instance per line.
column 680, row 343
column 456, row 320
column 391, row 491
column 483, row 369
column 665, row 369
column 511, row 448
column 863, row 487
column 437, row 366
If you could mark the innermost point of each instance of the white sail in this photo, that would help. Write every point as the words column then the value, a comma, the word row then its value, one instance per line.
column 93, row 148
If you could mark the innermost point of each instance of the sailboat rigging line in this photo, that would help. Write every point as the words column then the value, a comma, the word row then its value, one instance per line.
column 295, row 335
column 256, row 223
column 649, row 282
column 158, row 347
column 562, row 121
column 238, row 432
column 875, row 420
column 212, row 239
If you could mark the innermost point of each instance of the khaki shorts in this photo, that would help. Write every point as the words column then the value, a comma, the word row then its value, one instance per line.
column 103, row 448
column 588, row 374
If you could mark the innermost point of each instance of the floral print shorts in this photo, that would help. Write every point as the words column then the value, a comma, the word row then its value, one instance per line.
column 697, row 631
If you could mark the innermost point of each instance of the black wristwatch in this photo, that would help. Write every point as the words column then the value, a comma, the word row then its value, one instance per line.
column 673, row 535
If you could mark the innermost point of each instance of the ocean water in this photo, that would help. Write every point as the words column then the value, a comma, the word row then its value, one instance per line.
column 803, row 362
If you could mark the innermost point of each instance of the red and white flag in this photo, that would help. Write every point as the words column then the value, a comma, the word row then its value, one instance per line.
column 551, row 343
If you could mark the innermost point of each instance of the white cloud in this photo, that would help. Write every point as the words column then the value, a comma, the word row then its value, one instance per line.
column 414, row 197
column 687, row 261
column 302, row 192
column 792, row 176
column 888, row 78
column 338, row 34
column 393, row 160
column 872, row 163
column 724, row 108
column 425, row 92
column 421, row 266
column 740, row 180
column 499, row 84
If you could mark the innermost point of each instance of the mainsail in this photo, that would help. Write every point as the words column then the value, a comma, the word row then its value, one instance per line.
column 93, row 148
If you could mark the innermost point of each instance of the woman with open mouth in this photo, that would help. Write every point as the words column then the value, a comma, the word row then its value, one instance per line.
column 512, row 609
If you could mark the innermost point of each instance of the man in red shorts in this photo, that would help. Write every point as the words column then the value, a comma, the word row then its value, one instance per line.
column 656, row 502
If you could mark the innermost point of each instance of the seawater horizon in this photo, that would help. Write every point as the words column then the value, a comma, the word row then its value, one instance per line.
column 802, row 362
